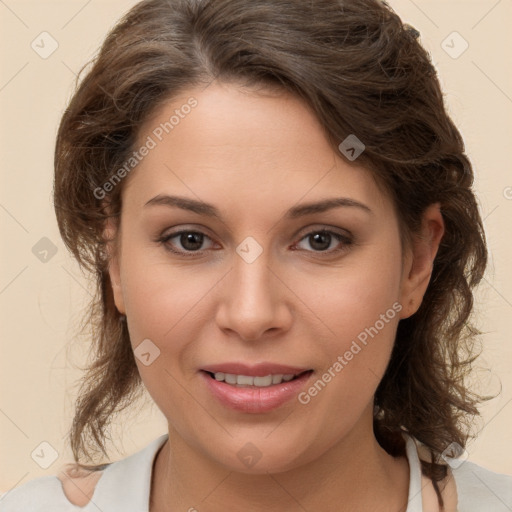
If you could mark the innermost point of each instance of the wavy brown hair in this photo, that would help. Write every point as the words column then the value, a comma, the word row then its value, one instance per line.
column 363, row 72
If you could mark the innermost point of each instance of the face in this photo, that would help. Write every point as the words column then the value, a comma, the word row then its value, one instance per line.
column 258, row 283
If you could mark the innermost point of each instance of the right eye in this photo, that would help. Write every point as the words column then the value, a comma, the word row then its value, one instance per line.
column 190, row 241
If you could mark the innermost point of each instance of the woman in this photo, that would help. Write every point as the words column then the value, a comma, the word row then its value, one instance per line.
column 279, row 214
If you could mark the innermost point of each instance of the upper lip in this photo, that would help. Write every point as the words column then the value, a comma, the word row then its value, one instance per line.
column 254, row 370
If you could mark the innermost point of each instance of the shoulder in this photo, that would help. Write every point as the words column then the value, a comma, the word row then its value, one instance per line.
column 470, row 487
column 128, row 479
column 78, row 484
column 33, row 496
column 479, row 488
column 71, row 486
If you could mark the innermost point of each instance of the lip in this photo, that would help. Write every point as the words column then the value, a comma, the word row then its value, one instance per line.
column 256, row 370
column 256, row 400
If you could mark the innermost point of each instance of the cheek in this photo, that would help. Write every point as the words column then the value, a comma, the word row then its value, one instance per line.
column 162, row 306
column 166, row 304
column 355, row 296
column 362, row 299
column 155, row 292
column 360, row 306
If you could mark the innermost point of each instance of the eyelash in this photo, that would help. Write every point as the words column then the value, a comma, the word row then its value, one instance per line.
column 346, row 240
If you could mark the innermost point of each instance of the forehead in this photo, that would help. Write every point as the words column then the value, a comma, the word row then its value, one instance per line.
column 238, row 144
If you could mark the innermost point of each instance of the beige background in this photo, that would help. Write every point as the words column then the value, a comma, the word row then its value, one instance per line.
column 40, row 302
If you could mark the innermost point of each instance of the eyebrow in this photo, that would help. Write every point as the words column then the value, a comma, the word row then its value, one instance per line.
column 295, row 212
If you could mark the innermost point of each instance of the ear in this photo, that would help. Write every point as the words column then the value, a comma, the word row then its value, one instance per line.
column 113, row 238
column 419, row 261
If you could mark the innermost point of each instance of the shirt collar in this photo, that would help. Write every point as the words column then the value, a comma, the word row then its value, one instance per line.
column 122, row 479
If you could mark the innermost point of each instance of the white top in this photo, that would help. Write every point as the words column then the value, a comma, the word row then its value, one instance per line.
column 125, row 487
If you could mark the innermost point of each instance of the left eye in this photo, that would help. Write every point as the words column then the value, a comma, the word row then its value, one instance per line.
column 321, row 240
column 191, row 241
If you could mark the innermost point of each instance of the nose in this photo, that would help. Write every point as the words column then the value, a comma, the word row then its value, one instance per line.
column 254, row 301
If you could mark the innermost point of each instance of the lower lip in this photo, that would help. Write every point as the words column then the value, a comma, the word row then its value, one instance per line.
column 255, row 400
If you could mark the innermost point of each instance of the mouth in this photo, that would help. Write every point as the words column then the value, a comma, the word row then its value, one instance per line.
column 248, row 381
column 254, row 389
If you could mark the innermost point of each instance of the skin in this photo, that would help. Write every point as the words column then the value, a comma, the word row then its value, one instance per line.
column 254, row 156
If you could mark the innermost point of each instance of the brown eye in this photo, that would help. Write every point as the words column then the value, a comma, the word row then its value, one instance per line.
column 320, row 241
column 190, row 242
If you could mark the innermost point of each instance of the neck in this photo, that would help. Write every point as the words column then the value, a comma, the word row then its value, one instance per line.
column 354, row 474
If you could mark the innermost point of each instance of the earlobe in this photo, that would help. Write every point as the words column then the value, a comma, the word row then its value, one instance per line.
column 419, row 264
column 111, row 238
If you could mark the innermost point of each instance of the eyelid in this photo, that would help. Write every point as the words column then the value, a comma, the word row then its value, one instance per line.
column 164, row 240
column 346, row 239
column 318, row 228
column 342, row 235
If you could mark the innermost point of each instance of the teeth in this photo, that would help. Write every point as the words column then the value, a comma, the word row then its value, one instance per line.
column 246, row 380
column 230, row 378
column 276, row 379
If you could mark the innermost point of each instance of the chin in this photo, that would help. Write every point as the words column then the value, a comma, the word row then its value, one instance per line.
column 262, row 456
